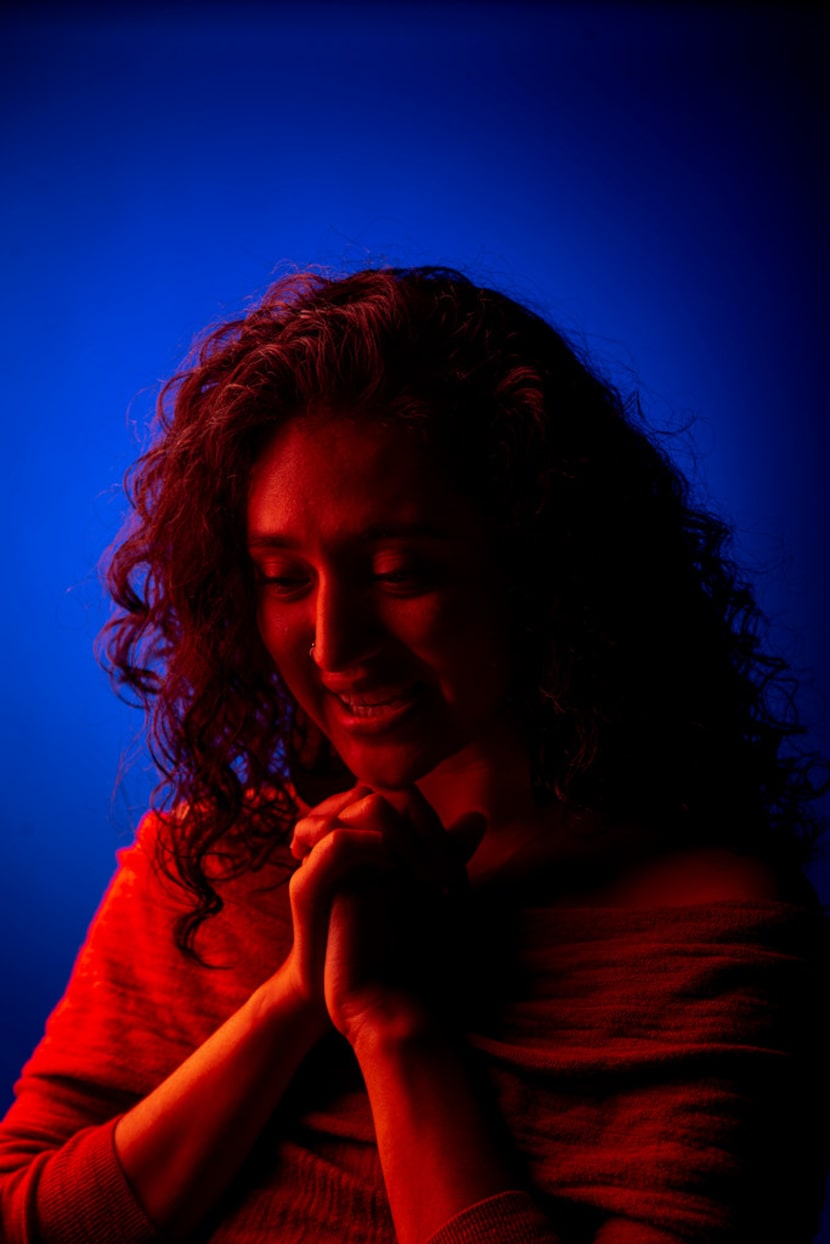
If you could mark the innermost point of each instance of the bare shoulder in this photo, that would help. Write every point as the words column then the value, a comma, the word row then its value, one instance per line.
column 700, row 875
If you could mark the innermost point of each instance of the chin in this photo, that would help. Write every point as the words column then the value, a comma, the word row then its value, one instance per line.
column 391, row 768
column 389, row 777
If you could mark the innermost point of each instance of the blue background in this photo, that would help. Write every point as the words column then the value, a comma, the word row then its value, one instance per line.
column 653, row 178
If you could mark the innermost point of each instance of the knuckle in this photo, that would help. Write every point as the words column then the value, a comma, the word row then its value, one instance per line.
column 362, row 809
column 329, row 847
column 298, row 881
column 336, row 803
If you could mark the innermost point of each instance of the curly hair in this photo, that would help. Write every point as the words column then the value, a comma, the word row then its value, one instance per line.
column 640, row 672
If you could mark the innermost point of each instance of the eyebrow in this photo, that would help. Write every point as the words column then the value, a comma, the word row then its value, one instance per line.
column 383, row 531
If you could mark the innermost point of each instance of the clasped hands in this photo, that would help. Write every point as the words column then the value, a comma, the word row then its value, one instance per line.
column 373, row 905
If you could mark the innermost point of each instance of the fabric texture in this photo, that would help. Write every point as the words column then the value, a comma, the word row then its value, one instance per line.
column 659, row 1073
column 510, row 1218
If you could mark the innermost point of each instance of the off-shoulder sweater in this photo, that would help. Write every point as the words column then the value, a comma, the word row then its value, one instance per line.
column 659, row 1074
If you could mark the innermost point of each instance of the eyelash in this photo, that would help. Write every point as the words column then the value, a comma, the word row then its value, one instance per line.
column 396, row 576
column 281, row 578
column 282, row 585
column 412, row 577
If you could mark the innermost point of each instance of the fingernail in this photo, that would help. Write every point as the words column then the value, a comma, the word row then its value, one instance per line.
column 360, row 808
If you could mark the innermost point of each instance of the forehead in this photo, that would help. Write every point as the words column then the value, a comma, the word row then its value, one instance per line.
column 343, row 475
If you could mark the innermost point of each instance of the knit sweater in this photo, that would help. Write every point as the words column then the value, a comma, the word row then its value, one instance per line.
column 658, row 1072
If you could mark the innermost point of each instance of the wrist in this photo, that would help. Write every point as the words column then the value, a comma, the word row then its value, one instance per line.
column 432, row 1128
column 283, row 998
column 394, row 1024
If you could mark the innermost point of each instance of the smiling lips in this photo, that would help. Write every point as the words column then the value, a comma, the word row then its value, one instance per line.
column 375, row 710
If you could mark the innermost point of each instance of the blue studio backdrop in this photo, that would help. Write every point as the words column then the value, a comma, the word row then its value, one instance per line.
column 651, row 177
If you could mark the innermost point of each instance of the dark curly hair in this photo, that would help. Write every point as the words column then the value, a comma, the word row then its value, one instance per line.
column 640, row 673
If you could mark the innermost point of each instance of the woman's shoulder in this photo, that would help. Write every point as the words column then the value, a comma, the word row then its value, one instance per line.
column 701, row 904
column 704, row 874
column 630, row 867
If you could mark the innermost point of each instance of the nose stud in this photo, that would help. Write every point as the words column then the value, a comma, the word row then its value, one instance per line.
column 311, row 649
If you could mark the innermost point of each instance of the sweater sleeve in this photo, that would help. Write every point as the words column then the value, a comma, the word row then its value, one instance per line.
column 111, row 1038
column 509, row 1218
column 74, row 1194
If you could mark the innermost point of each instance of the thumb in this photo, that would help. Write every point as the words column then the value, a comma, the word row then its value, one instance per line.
column 465, row 836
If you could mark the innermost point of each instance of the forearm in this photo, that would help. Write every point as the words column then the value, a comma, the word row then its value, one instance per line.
column 438, row 1146
column 181, row 1146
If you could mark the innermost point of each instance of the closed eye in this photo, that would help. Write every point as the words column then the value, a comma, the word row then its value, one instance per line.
column 282, row 584
column 406, row 580
column 396, row 576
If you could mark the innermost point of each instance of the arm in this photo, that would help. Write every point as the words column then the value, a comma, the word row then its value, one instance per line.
column 440, row 1156
column 174, row 1153
column 141, row 1036
column 182, row 1145
column 143, row 1100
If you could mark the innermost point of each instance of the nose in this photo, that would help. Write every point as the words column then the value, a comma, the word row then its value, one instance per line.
column 346, row 632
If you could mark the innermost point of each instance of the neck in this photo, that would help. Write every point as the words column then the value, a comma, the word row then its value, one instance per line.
column 491, row 776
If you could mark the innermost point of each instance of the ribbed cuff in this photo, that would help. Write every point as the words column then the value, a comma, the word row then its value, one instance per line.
column 508, row 1218
column 84, row 1197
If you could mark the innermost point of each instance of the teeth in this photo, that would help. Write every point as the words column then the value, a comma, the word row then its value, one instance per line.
column 366, row 706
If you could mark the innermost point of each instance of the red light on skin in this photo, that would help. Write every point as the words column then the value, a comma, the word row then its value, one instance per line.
column 374, row 716
column 378, row 599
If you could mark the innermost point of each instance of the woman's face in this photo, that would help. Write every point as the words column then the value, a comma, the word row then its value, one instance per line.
column 378, row 600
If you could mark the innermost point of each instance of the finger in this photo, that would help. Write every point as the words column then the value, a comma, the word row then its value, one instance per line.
column 375, row 813
column 308, row 832
column 465, row 836
column 315, row 825
column 410, row 803
column 361, row 812
column 450, row 849
column 335, row 803
column 367, row 809
column 341, row 857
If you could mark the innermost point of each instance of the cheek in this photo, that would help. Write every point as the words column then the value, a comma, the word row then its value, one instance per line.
column 466, row 643
column 286, row 648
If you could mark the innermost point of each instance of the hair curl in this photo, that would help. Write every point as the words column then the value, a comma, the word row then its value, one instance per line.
column 641, row 676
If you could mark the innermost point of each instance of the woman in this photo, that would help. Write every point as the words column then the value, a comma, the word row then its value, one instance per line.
column 475, row 910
